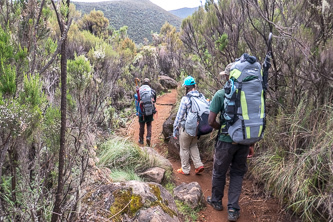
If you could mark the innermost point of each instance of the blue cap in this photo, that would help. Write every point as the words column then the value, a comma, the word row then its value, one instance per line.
column 189, row 81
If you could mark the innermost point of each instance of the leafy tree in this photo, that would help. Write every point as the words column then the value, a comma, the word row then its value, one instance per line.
column 95, row 23
column 170, row 50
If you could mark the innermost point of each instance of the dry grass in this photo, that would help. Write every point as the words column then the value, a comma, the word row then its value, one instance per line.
column 296, row 161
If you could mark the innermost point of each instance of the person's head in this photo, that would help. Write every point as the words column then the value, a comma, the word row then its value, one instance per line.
column 225, row 74
column 189, row 83
column 146, row 81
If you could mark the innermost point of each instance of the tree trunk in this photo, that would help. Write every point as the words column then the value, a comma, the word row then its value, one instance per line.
column 57, row 204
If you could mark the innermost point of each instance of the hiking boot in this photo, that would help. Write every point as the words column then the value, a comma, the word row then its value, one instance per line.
column 216, row 205
column 233, row 214
column 140, row 141
column 180, row 171
column 199, row 170
column 148, row 141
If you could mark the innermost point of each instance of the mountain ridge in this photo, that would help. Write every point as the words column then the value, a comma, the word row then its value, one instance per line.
column 142, row 17
column 183, row 12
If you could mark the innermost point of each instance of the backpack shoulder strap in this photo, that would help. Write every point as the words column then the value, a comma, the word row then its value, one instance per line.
column 194, row 99
column 189, row 96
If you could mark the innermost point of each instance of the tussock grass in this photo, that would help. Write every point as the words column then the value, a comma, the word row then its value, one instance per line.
column 124, row 175
column 296, row 161
column 121, row 153
column 126, row 159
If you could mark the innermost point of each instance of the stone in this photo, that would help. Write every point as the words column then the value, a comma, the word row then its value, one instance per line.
column 155, row 214
column 158, row 158
column 168, row 82
column 168, row 127
column 129, row 201
column 155, row 174
column 191, row 194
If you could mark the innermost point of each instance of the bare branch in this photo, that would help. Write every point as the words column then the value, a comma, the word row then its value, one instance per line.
column 58, row 17
column 64, row 36
column 35, row 37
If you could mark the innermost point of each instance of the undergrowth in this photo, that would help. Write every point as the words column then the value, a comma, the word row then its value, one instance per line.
column 188, row 213
column 295, row 161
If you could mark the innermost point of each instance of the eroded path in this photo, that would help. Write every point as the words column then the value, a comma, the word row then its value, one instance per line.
column 253, row 206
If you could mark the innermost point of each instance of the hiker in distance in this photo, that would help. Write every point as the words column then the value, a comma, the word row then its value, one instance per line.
column 145, row 99
column 229, row 153
column 187, row 135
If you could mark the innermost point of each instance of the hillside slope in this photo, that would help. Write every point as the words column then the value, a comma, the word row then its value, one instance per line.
column 141, row 16
column 183, row 12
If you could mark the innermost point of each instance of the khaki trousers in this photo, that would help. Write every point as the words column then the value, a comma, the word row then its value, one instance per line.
column 188, row 146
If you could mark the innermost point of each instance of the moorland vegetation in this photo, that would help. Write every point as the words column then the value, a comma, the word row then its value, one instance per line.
column 141, row 17
column 67, row 83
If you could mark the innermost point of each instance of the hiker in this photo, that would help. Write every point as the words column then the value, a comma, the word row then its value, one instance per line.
column 145, row 99
column 187, row 142
column 227, row 154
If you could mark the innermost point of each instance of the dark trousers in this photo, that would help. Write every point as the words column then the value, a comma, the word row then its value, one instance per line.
column 142, row 129
column 234, row 156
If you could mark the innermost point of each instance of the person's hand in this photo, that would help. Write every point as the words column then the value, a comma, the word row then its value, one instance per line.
column 174, row 135
column 251, row 151
column 137, row 88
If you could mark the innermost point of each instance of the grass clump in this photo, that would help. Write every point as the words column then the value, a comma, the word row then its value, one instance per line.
column 120, row 153
column 188, row 213
column 119, row 175
column 296, row 161
column 126, row 159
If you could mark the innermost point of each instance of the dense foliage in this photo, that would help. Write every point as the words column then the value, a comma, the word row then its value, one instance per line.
column 37, row 36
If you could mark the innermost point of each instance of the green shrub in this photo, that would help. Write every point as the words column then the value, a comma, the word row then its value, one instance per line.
column 32, row 93
column 7, row 79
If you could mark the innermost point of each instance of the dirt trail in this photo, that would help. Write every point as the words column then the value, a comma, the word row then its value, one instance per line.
column 253, row 206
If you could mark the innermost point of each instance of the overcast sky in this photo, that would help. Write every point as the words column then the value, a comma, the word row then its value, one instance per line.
column 165, row 4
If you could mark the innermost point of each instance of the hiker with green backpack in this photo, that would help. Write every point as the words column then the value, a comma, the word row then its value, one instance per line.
column 191, row 122
column 241, row 104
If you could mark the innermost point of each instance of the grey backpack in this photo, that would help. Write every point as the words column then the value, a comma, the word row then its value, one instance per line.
column 196, row 123
column 146, row 101
column 244, row 103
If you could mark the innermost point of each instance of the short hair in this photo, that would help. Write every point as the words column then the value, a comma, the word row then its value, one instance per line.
column 227, row 70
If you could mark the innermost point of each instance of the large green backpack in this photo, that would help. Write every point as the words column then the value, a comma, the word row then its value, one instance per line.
column 244, row 103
